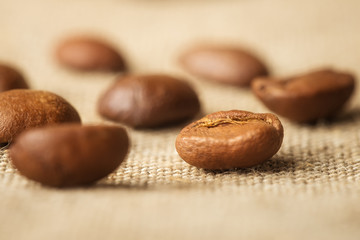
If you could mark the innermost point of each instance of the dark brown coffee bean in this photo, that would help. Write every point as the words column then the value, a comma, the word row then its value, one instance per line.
column 223, row 64
column 69, row 154
column 89, row 54
column 230, row 139
column 22, row 109
column 149, row 101
column 308, row 97
column 10, row 78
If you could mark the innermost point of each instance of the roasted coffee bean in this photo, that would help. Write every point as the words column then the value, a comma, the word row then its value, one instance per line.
column 228, row 65
column 69, row 154
column 89, row 54
column 230, row 139
column 308, row 97
column 21, row 109
column 149, row 101
column 10, row 78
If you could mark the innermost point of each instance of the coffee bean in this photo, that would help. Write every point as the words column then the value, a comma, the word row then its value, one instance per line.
column 10, row 78
column 228, row 65
column 69, row 154
column 21, row 109
column 89, row 54
column 230, row 139
column 149, row 101
column 308, row 97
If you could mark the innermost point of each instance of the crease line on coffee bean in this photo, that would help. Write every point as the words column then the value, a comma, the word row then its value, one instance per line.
column 214, row 123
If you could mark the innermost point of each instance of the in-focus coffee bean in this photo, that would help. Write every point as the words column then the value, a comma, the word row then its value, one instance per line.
column 69, row 154
column 149, row 101
column 11, row 78
column 230, row 139
column 89, row 54
column 22, row 109
column 308, row 97
column 223, row 64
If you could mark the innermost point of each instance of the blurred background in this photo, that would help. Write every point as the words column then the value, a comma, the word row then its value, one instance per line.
column 309, row 190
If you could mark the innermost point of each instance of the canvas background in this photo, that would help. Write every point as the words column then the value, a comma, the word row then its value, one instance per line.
column 309, row 190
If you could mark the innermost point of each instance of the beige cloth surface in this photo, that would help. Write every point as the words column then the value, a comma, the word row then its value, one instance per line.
column 309, row 190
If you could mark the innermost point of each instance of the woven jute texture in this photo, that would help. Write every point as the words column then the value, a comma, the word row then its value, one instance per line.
column 309, row 190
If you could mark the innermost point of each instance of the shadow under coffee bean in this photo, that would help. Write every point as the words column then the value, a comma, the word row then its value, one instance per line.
column 3, row 145
column 274, row 165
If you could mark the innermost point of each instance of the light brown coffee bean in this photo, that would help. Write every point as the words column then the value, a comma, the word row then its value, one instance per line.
column 10, row 78
column 230, row 139
column 22, row 109
column 223, row 64
column 149, row 101
column 89, row 54
column 308, row 97
column 69, row 154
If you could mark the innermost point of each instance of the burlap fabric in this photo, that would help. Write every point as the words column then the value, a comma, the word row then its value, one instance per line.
column 309, row 190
